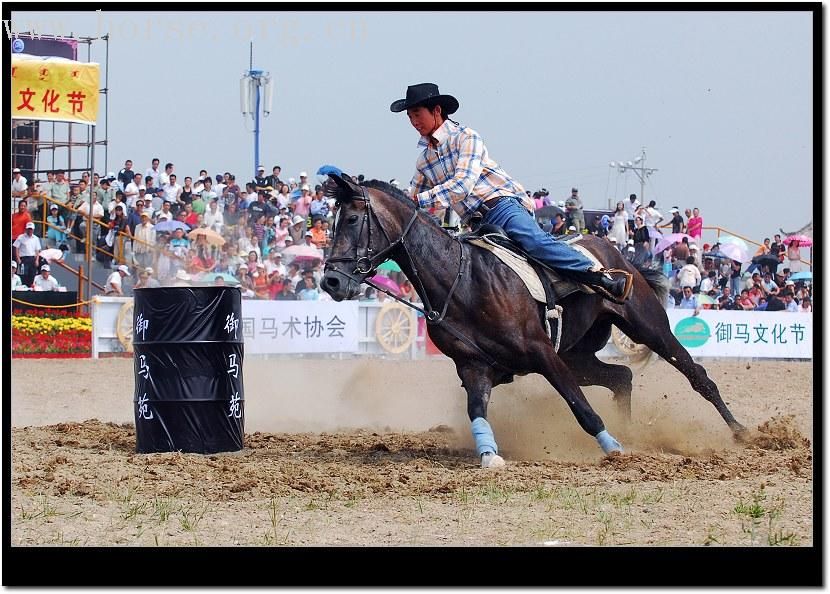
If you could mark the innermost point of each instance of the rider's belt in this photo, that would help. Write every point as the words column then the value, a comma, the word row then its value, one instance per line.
column 488, row 205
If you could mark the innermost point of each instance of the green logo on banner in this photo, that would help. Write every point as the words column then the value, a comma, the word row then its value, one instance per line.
column 692, row 331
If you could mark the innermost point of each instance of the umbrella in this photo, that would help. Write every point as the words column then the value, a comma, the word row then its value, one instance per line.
column 806, row 275
column 669, row 240
column 387, row 283
column 390, row 266
column 715, row 255
column 299, row 253
column 767, row 260
column 170, row 226
column 210, row 235
column 228, row 277
column 548, row 212
column 735, row 252
column 730, row 239
column 51, row 254
column 803, row 240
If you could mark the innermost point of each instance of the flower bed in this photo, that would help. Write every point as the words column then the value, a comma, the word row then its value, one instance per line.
column 54, row 334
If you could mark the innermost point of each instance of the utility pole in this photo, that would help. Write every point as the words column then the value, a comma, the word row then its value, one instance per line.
column 638, row 166
column 250, row 100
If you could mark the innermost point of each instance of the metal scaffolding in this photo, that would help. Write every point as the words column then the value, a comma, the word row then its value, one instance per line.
column 62, row 145
column 42, row 146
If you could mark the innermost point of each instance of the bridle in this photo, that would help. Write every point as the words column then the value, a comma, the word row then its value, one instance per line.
column 367, row 263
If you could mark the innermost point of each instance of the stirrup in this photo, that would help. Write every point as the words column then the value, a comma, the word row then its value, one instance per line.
column 629, row 282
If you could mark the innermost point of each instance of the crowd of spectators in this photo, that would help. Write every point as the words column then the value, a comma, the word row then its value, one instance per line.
column 272, row 236
column 700, row 276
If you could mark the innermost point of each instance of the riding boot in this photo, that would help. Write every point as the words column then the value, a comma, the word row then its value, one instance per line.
column 614, row 288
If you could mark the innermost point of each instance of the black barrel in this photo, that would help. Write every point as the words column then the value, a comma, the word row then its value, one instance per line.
column 188, row 349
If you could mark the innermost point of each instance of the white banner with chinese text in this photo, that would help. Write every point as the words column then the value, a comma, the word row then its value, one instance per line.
column 285, row 327
column 715, row 333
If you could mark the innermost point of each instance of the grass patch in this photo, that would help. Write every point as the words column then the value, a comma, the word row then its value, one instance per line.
column 760, row 520
column 162, row 508
column 42, row 509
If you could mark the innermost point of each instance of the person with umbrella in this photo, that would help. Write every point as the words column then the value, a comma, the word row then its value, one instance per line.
column 793, row 254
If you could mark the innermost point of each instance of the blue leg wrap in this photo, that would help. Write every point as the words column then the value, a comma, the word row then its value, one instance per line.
column 483, row 434
column 608, row 443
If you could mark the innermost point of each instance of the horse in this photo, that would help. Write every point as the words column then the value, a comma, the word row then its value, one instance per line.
column 480, row 315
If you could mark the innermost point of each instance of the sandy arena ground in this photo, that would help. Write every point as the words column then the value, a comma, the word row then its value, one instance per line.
column 376, row 452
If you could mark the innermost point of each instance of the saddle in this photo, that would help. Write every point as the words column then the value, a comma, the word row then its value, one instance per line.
column 544, row 284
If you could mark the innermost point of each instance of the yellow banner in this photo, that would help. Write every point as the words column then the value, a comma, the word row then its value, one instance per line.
column 54, row 89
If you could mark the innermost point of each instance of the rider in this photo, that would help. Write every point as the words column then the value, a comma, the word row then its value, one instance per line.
column 455, row 170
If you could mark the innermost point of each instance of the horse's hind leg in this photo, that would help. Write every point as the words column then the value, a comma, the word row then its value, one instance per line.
column 477, row 380
column 659, row 338
column 590, row 371
column 555, row 370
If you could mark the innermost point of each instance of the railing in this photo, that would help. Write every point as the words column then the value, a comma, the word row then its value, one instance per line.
column 721, row 231
column 90, row 247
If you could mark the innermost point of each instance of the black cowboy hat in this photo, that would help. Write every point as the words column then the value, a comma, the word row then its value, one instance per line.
column 417, row 94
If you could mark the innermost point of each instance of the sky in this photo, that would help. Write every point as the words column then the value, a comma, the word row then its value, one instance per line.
column 721, row 102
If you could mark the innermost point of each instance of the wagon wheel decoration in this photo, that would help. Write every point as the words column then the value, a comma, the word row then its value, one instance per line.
column 124, row 326
column 395, row 328
column 626, row 345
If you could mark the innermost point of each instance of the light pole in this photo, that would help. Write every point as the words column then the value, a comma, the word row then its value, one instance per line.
column 249, row 99
column 638, row 166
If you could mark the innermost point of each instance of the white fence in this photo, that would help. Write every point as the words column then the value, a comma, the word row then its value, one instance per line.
column 281, row 328
column 356, row 328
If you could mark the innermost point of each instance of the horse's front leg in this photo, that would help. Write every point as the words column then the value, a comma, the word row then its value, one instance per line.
column 478, row 381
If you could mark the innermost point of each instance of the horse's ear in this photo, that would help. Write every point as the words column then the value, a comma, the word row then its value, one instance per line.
column 345, row 182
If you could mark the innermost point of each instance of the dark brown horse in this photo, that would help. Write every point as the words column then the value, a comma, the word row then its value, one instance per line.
column 481, row 316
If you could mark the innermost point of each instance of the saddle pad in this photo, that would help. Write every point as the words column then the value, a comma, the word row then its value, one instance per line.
column 519, row 264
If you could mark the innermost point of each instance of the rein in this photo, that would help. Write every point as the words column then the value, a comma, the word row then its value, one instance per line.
column 365, row 265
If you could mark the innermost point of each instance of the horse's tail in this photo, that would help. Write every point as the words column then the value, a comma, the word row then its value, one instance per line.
column 660, row 284
column 657, row 281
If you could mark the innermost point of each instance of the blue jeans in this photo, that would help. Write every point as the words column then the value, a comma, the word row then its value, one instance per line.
column 521, row 227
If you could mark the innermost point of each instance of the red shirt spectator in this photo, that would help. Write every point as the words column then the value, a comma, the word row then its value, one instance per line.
column 695, row 225
column 192, row 219
column 19, row 220
column 276, row 285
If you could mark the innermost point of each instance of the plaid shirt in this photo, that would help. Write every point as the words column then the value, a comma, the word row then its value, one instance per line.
column 460, row 173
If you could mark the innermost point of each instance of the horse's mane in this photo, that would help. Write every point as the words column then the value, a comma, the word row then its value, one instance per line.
column 339, row 193
column 388, row 188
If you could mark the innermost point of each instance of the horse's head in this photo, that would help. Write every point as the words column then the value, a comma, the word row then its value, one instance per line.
column 359, row 242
